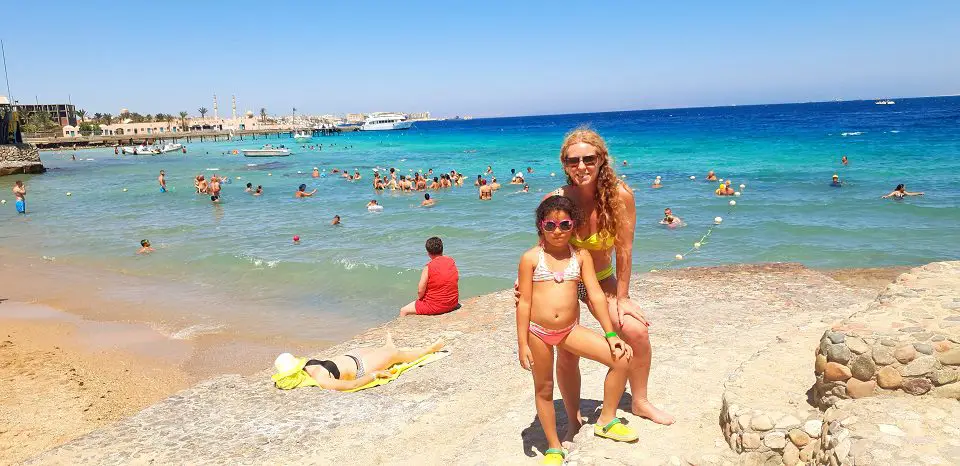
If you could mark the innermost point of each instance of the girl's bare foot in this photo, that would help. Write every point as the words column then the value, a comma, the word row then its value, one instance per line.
column 573, row 428
column 645, row 409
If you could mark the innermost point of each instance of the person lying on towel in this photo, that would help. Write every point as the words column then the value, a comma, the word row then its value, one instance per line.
column 350, row 371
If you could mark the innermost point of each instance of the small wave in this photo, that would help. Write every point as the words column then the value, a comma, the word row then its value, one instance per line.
column 894, row 131
column 212, row 169
column 853, row 133
column 192, row 331
column 350, row 265
column 251, row 165
column 259, row 262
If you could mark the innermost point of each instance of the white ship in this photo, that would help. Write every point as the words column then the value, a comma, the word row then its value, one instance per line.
column 884, row 102
column 267, row 151
column 386, row 122
column 144, row 149
column 302, row 136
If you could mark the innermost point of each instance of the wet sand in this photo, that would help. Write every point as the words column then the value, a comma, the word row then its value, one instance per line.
column 82, row 348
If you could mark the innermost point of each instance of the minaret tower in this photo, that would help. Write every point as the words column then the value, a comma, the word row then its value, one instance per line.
column 233, row 98
column 216, row 113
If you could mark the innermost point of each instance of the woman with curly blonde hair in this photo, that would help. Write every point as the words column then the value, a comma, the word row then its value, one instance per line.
column 610, row 217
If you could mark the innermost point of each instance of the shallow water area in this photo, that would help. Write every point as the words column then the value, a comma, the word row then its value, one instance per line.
column 356, row 275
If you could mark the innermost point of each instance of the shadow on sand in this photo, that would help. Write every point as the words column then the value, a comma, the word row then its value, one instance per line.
column 535, row 443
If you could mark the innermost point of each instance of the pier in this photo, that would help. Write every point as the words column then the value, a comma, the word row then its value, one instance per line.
column 79, row 142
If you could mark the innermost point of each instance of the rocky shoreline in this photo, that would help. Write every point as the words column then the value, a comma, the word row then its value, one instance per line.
column 476, row 406
column 20, row 159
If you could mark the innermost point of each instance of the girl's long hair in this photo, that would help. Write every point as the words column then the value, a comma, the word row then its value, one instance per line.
column 607, row 198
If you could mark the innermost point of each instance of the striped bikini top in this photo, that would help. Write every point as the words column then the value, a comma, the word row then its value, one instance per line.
column 542, row 273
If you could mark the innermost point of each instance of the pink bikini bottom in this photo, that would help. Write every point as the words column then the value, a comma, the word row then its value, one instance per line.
column 551, row 337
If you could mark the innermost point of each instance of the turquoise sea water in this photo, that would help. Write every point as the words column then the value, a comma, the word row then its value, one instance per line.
column 367, row 268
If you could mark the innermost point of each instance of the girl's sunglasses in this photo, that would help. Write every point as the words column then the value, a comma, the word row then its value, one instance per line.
column 588, row 160
column 564, row 225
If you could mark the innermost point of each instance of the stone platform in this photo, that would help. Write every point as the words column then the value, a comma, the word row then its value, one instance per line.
column 19, row 159
column 884, row 368
column 476, row 406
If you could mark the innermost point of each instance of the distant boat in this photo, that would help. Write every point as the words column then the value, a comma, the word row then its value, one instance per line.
column 386, row 122
column 144, row 149
column 302, row 136
column 884, row 102
column 267, row 151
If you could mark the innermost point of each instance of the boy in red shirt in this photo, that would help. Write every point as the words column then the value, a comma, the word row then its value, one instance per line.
column 438, row 291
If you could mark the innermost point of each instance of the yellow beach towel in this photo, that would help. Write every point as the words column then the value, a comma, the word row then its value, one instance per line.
column 397, row 369
column 296, row 377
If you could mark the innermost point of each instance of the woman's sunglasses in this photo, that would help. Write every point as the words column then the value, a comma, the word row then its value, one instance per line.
column 564, row 225
column 588, row 160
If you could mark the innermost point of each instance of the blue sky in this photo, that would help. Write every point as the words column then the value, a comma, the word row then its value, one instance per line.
column 486, row 58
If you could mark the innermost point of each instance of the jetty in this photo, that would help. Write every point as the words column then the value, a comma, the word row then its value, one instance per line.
column 54, row 141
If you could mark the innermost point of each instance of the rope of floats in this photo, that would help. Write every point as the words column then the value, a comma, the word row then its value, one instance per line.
column 698, row 245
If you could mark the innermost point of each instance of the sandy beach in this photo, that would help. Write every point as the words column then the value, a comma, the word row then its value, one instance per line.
column 83, row 348
column 76, row 361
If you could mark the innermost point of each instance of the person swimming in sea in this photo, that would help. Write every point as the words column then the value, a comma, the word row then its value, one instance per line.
column 844, row 160
column 336, row 220
column 316, row 172
column 302, row 192
column 259, row 191
column 670, row 220
column 711, row 176
column 900, row 192
column 145, row 247
column 656, row 183
column 836, row 183
column 427, row 201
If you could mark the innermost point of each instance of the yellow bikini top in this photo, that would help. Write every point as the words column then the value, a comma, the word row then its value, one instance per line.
column 593, row 243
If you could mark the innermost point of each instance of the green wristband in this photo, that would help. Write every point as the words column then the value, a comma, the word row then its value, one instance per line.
column 610, row 334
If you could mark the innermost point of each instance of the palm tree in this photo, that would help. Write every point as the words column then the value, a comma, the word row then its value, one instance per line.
column 183, row 121
column 82, row 114
column 203, row 111
column 97, row 116
column 107, row 118
column 263, row 115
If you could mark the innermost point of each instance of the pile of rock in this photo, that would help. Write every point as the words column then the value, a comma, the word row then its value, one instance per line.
column 19, row 158
column 908, row 340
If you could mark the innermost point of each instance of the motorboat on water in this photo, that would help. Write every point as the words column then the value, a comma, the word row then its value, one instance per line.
column 302, row 136
column 386, row 121
column 144, row 149
column 267, row 151
column 885, row 102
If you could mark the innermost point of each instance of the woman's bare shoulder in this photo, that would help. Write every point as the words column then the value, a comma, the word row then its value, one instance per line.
column 556, row 192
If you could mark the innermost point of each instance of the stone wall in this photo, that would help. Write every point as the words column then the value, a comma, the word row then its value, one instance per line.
column 908, row 340
column 905, row 341
column 19, row 158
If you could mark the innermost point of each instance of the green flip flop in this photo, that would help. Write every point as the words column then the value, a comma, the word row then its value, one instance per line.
column 553, row 457
column 616, row 430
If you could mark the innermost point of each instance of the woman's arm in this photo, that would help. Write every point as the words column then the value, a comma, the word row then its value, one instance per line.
column 912, row 194
column 341, row 385
column 422, row 286
column 888, row 195
column 598, row 301
column 624, row 242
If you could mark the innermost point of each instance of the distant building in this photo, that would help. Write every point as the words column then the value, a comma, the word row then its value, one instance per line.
column 419, row 116
column 356, row 118
column 63, row 114
column 156, row 128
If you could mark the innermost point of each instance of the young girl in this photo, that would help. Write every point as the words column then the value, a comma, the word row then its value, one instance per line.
column 548, row 316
